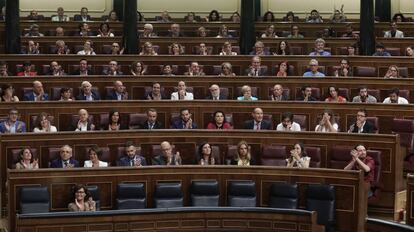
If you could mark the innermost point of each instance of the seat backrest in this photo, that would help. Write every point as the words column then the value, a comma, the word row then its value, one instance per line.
column 168, row 195
column 394, row 51
column 136, row 119
column 405, row 93
column 375, row 93
column 273, row 155
column 302, row 121
column 34, row 200
column 374, row 121
column 241, row 194
column 405, row 128
column 296, row 50
column 340, row 157
column 205, row 193
column 95, row 194
column 131, row 196
column 283, row 195
column 315, row 154
column 364, row 71
column 321, row 198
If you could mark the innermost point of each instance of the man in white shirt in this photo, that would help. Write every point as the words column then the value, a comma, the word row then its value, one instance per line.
column 287, row 123
column 182, row 93
column 394, row 97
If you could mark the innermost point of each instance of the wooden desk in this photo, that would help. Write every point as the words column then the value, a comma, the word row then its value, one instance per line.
column 350, row 201
column 409, row 200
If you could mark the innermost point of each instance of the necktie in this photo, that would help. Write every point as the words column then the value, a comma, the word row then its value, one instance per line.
column 66, row 163
column 151, row 125
column 257, row 125
column 131, row 162
column 256, row 73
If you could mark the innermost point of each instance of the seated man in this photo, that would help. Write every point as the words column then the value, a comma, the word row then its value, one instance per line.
column 37, row 94
column 83, row 68
column 287, row 123
column 247, row 94
column 152, row 122
column 4, row 69
column 32, row 48
column 148, row 31
column 258, row 123
column 113, row 69
column 194, row 70
column 350, row 33
column 380, row 50
column 313, row 65
column 11, row 124
column 259, row 49
column 156, row 93
column 394, row 97
column 364, row 97
column 361, row 125
column 215, row 93
column 394, row 32
column 306, row 94
column 83, row 17
column 182, row 93
column 255, row 68
column 277, row 94
column 167, row 157
column 84, row 123
column 361, row 161
column 131, row 158
column 60, row 17
column 87, row 94
column 55, row 69
column 175, row 31
column 186, row 121
column 345, row 70
column 34, row 31
column 65, row 160
column 118, row 93
column 320, row 48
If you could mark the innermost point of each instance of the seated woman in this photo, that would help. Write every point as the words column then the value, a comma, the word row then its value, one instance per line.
column 226, row 70
column 235, row 17
column 61, row 48
column 282, row 69
column 43, row 124
column 227, row 50
column 268, row 17
column 148, row 50
column 247, row 94
column 7, row 94
column 175, row 49
column 269, row 32
column 334, row 96
column 214, row 16
column 82, row 200
column 87, row 49
column 83, row 123
column 167, row 70
column 223, row 32
column 190, row 18
column 202, row 32
column 290, row 17
column 283, row 49
column 409, row 51
column 393, row 72
column 94, row 154
column 112, row 16
column 65, row 94
column 243, row 155
column 114, row 122
column 338, row 16
column 219, row 121
column 138, row 68
column 327, row 123
column 25, row 160
column 298, row 157
column 205, row 155
column 105, row 31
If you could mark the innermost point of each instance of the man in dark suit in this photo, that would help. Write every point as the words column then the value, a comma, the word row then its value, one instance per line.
column 113, row 69
column 277, row 94
column 215, row 93
column 87, row 94
column 131, row 159
column 257, row 123
column 167, row 157
column 175, row 31
column 306, row 94
column 255, row 68
column 37, row 94
column 186, row 122
column 152, row 122
column 118, row 93
column 362, row 125
column 65, row 160
column 83, row 69
column 83, row 17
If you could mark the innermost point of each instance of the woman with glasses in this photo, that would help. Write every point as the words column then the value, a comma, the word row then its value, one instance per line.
column 393, row 72
column 82, row 200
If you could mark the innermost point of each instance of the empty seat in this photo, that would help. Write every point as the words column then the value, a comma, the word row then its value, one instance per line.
column 94, row 191
column 241, row 194
column 315, row 154
column 394, row 51
column 136, row 119
column 363, row 71
column 405, row 128
column 205, row 193
column 283, row 195
column 131, row 196
column 340, row 157
column 34, row 200
column 302, row 121
column 374, row 121
column 168, row 195
column 321, row 198
column 273, row 155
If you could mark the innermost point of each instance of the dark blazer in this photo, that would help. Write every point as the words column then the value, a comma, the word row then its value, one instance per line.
column 284, row 97
column 302, row 98
column 368, row 128
column 95, row 96
column 30, row 97
column 106, row 127
column 264, row 125
column 157, row 125
column 20, row 127
column 234, row 161
column 57, row 163
column 112, row 96
column 118, row 73
column 74, row 126
column 180, row 125
column 77, row 72
column 261, row 72
column 78, row 17
column 221, row 97
column 126, row 161
column 160, row 160
column 148, row 96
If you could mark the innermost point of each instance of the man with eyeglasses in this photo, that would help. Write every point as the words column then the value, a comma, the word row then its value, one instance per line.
column 362, row 125
column 313, row 72
column 116, row 49
column 345, row 70
column 65, row 159
column 12, row 125
column 364, row 97
column 215, row 93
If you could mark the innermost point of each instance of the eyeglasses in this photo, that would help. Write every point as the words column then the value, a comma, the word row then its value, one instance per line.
column 360, row 115
column 393, row 70
column 80, row 192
